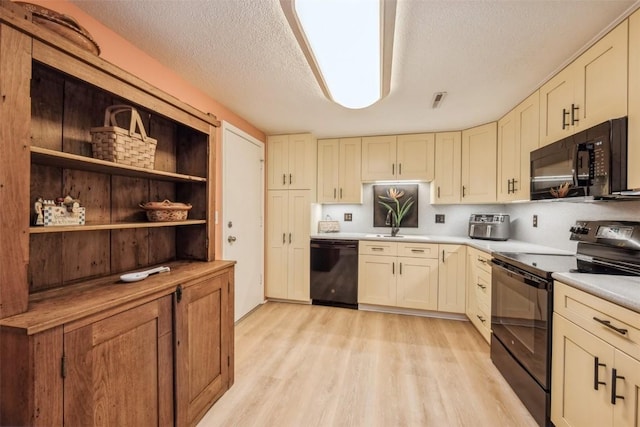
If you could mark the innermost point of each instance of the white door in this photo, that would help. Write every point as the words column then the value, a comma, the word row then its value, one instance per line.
column 242, row 215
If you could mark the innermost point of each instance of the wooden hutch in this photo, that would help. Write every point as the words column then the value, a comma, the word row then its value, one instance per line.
column 77, row 346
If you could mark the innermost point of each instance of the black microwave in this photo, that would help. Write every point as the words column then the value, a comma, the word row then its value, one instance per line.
column 592, row 162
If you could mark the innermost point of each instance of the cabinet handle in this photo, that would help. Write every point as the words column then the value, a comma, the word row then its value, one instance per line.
column 393, row 268
column 574, row 116
column 334, row 193
column 377, row 249
column 417, row 251
column 393, row 168
column 284, row 238
column 482, row 260
column 399, row 168
column 482, row 319
column 481, row 286
column 596, row 380
column 290, row 179
column 284, row 179
column 340, row 193
column 443, row 255
column 565, row 114
column 464, row 189
column 513, row 185
column 401, row 269
column 614, row 385
column 438, row 191
column 289, row 238
column 508, row 186
column 608, row 324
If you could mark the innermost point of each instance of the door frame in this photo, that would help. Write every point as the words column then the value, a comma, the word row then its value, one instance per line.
column 226, row 126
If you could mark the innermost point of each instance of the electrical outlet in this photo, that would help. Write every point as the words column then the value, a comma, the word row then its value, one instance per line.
column 535, row 220
column 439, row 218
column 348, row 217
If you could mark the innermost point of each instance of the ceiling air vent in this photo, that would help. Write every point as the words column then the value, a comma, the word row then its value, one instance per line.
column 438, row 97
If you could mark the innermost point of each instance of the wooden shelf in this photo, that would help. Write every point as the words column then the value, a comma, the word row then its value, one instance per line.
column 73, row 161
column 116, row 226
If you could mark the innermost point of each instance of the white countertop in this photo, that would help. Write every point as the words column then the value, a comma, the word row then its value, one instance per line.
column 621, row 290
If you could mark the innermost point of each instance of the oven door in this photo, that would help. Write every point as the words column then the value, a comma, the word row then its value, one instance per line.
column 520, row 318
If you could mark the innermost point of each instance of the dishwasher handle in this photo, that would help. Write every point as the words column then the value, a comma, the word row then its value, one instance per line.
column 334, row 244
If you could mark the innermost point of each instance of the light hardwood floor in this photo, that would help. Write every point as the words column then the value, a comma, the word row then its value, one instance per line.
column 302, row 365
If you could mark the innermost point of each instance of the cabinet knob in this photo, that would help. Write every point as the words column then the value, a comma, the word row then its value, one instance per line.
column 231, row 239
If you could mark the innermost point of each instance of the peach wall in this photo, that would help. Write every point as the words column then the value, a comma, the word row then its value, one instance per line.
column 122, row 53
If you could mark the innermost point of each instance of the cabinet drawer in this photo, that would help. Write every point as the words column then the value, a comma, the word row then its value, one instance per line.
column 482, row 261
column 616, row 325
column 483, row 288
column 418, row 250
column 371, row 247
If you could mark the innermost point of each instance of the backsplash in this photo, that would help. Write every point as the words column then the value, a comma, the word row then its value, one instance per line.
column 554, row 218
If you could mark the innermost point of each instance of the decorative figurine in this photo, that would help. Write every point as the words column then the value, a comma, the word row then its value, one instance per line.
column 37, row 207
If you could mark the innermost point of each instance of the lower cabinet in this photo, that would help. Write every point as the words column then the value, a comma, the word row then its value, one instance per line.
column 160, row 362
column 409, row 275
column 595, row 379
column 478, row 307
column 452, row 278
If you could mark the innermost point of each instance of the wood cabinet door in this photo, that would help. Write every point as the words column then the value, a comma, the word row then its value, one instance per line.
column 417, row 283
column 556, row 97
column 329, row 165
column 415, row 157
column 626, row 411
column 277, row 246
column 527, row 115
column 508, row 157
column 577, row 356
column 451, row 278
column 350, row 167
column 204, row 331
column 377, row 280
column 601, row 79
column 301, row 174
column 479, row 164
column 119, row 371
column 378, row 158
column 298, row 251
column 633, row 149
column 446, row 184
column 278, row 162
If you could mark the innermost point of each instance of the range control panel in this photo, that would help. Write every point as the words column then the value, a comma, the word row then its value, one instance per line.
column 610, row 233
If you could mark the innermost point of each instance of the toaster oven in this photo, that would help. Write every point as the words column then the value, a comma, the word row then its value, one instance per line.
column 489, row 226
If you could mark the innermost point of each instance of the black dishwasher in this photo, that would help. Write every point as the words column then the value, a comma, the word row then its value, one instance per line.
column 334, row 272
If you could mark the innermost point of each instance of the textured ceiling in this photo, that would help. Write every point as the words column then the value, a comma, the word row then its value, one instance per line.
column 487, row 55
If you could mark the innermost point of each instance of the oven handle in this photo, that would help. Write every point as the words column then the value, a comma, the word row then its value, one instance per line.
column 521, row 275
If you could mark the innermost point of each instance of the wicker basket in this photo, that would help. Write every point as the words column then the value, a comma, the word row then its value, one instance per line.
column 166, row 211
column 125, row 146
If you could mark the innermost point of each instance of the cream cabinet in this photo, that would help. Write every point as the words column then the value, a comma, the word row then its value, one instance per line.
column 452, row 278
column 478, row 306
column 595, row 373
column 402, row 157
column 398, row 274
column 633, row 150
column 445, row 188
column 590, row 90
column 518, row 135
column 339, row 163
column 291, row 162
column 288, row 251
column 479, row 164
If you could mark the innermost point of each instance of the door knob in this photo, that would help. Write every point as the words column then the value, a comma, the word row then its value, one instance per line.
column 231, row 239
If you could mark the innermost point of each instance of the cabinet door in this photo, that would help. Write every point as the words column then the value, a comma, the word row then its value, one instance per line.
column 556, row 97
column 204, row 331
column 527, row 115
column 377, row 280
column 277, row 246
column 626, row 412
column 298, row 252
column 417, row 283
column 633, row 150
column 508, row 157
column 119, row 371
column 415, row 157
column 302, row 162
column 452, row 278
column 350, row 185
column 446, row 185
column 577, row 357
column 601, row 79
column 479, row 164
column 378, row 158
column 329, row 165
column 278, row 162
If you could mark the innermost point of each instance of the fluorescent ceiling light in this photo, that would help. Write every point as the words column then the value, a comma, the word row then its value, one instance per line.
column 348, row 44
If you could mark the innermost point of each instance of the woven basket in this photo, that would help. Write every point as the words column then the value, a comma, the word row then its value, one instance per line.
column 166, row 211
column 121, row 145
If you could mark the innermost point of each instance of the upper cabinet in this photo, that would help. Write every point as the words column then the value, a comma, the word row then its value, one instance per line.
column 403, row 157
column 446, row 184
column 633, row 149
column 518, row 135
column 479, row 164
column 339, row 163
column 291, row 162
column 592, row 89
